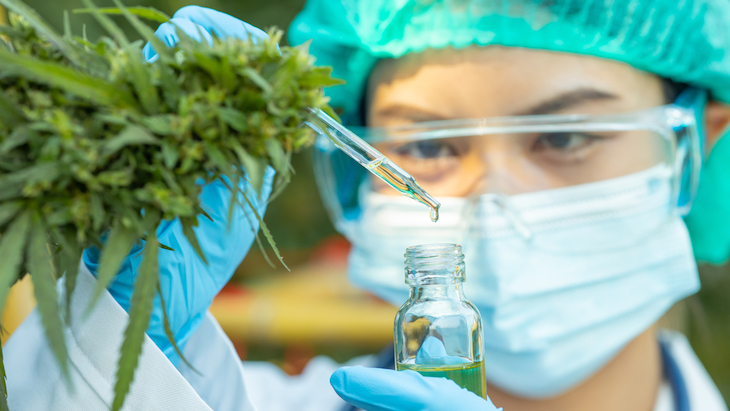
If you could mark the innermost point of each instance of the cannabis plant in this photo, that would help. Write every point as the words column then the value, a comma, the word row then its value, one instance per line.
column 97, row 143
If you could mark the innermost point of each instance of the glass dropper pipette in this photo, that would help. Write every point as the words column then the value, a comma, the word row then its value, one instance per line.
column 374, row 161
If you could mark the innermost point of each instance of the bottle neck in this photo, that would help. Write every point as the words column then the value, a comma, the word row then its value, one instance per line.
column 435, row 271
column 434, row 292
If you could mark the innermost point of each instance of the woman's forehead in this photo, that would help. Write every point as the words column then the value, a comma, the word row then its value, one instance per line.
column 498, row 81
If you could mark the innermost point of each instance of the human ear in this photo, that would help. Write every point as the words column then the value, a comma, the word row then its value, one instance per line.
column 716, row 118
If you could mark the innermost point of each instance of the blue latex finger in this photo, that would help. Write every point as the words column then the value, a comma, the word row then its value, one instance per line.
column 222, row 24
column 375, row 389
column 432, row 351
column 167, row 32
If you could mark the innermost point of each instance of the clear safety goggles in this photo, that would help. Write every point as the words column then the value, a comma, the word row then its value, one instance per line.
column 510, row 156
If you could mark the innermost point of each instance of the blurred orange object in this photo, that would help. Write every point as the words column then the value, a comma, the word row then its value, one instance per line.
column 19, row 304
column 314, row 304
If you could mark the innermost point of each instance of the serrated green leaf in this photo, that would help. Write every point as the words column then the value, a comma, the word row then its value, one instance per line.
column 149, row 13
column 141, row 75
column 111, row 118
column 159, row 124
column 45, row 171
column 165, row 247
column 142, row 80
column 217, row 157
column 146, row 90
column 11, row 185
column 210, row 65
column 10, row 115
column 130, row 135
column 257, row 79
column 59, row 217
column 281, row 181
column 107, row 23
column 98, row 215
column 3, row 384
column 277, row 155
column 71, row 261
column 170, row 88
column 67, row 34
column 255, row 168
column 227, row 76
column 44, row 287
column 206, row 215
column 235, row 190
column 264, row 229
column 170, row 155
column 19, row 135
column 72, row 81
column 68, row 258
column 117, row 246
column 41, row 26
column 187, row 228
column 320, row 77
column 12, row 245
column 168, row 330
column 139, row 317
column 9, row 210
column 234, row 118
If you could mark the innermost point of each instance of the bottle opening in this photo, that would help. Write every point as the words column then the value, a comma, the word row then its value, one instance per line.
column 434, row 261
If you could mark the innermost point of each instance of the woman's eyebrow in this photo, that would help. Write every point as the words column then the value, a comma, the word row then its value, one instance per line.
column 415, row 114
column 568, row 100
column 555, row 104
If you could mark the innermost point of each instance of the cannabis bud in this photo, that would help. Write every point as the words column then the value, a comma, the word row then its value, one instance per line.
column 96, row 142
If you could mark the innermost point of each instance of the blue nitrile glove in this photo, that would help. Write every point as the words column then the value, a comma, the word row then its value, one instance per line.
column 188, row 285
column 196, row 21
column 377, row 389
column 432, row 351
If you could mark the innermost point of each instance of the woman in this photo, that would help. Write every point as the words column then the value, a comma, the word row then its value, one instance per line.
column 564, row 140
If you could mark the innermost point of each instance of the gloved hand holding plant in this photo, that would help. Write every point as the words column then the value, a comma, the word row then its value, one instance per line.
column 98, row 147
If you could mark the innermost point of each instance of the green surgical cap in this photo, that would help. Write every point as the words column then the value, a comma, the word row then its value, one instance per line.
column 709, row 220
column 687, row 41
column 684, row 40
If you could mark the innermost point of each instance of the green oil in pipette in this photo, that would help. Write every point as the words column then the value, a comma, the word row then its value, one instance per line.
column 392, row 175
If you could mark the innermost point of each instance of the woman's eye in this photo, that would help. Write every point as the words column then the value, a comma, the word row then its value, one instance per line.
column 563, row 141
column 427, row 149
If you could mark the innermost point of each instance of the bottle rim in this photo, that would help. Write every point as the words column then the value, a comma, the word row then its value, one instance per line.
column 436, row 260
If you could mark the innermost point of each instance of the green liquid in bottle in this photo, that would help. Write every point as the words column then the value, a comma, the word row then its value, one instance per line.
column 469, row 376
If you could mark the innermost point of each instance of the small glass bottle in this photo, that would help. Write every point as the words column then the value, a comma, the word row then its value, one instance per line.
column 438, row 333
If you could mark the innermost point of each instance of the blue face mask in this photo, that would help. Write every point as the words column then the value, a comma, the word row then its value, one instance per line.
column 563, row 278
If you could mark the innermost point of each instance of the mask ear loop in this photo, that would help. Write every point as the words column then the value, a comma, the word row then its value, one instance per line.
column 513, row 216
column 505, row 205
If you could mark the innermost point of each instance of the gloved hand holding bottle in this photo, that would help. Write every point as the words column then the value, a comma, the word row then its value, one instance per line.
column 376, row 389
column 188, row 284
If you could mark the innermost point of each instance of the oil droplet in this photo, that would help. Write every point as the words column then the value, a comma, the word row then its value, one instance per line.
column 434, row 215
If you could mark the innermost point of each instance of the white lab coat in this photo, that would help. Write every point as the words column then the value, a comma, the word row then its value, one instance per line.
column 35, row 382
column 265, row 380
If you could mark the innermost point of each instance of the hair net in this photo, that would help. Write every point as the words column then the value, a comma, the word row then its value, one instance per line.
column 684, row 40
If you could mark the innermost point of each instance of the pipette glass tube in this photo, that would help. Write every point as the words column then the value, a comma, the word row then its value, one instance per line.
column 374, row 161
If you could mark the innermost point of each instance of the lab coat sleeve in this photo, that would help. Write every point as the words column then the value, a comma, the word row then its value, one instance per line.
column 271, row 389
column 35, row 382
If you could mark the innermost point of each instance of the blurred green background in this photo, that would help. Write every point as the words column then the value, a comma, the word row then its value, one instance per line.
column 299, row 223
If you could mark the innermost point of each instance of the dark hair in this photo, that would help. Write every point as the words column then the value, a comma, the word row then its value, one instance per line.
column 672, row 89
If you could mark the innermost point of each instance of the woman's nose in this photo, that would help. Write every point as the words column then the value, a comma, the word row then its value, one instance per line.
column 500, row 166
